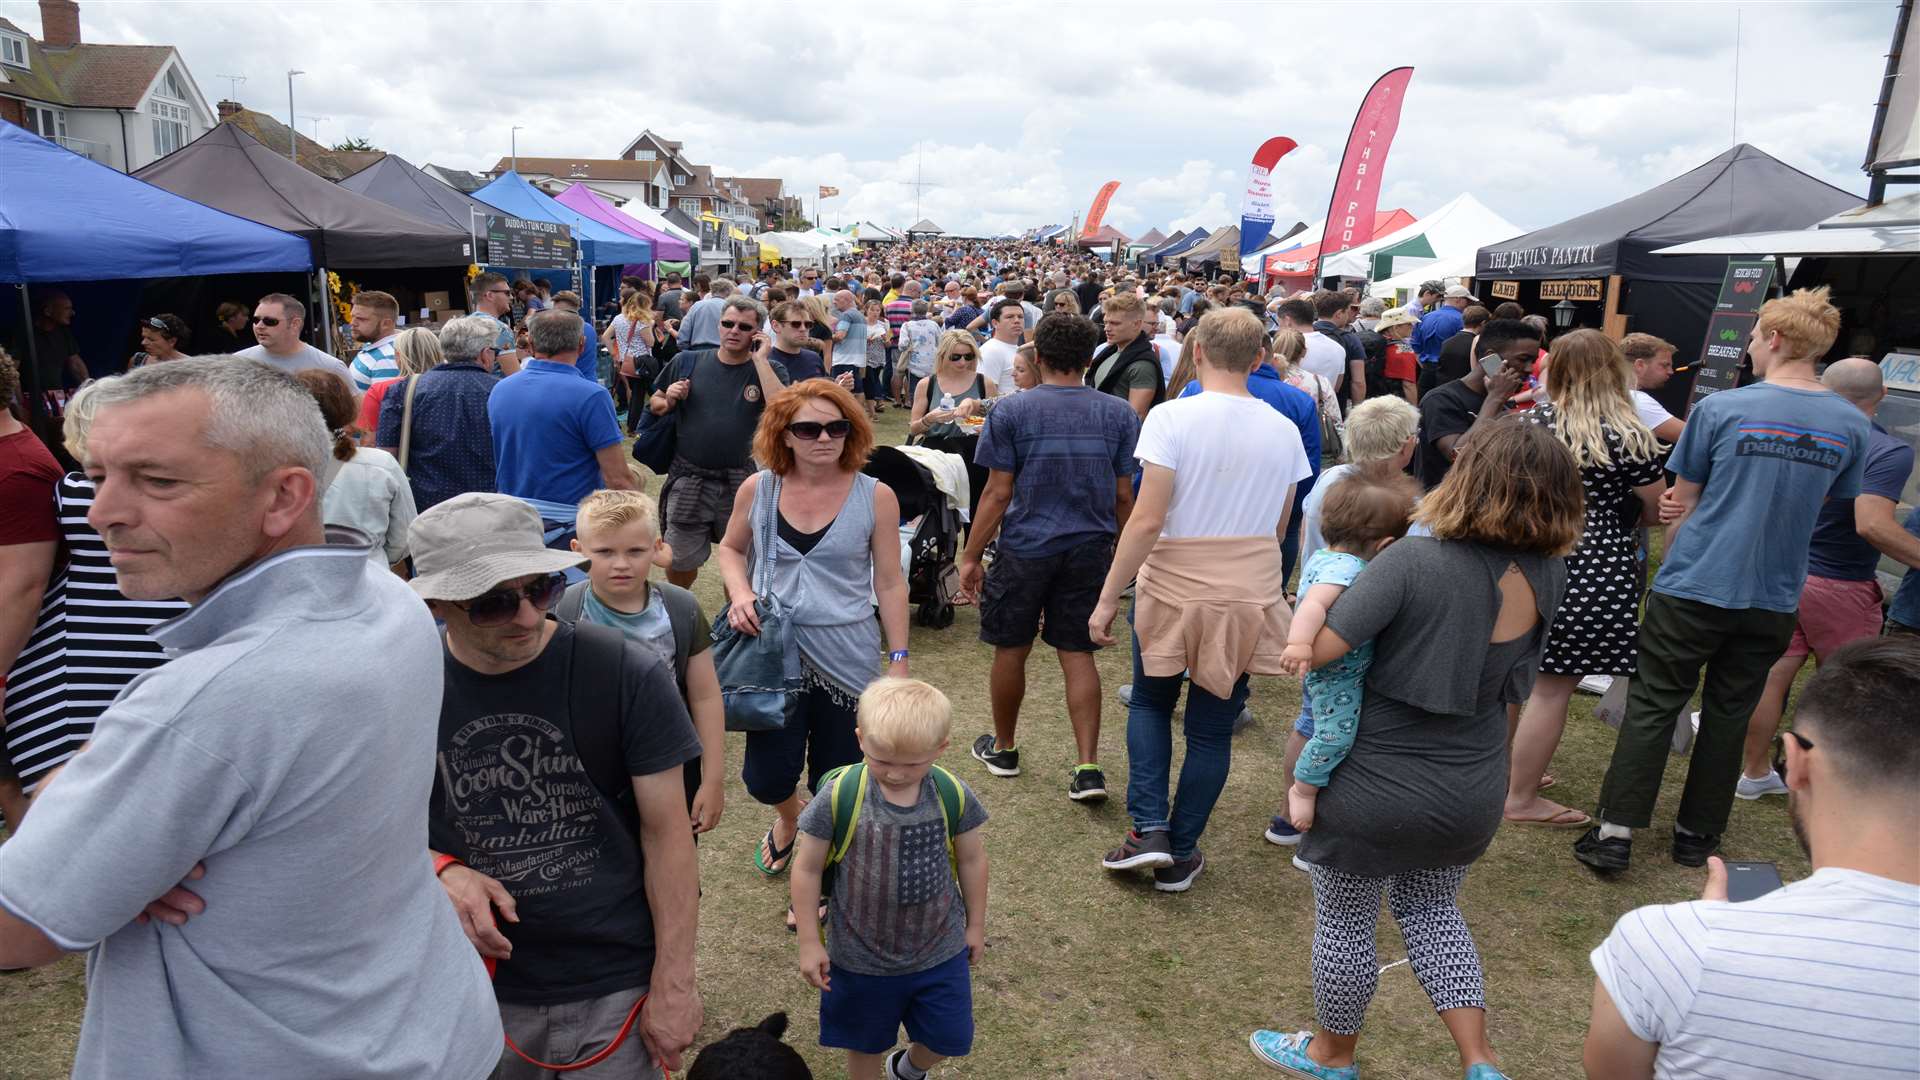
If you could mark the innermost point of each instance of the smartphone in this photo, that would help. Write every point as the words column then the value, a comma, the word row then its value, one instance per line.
column 1751, row 880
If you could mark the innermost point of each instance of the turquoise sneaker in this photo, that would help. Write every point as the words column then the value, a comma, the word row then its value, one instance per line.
column 1288, row 1053
column 1484, row 1071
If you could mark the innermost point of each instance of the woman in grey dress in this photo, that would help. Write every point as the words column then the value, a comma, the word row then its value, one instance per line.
column 1419, row 796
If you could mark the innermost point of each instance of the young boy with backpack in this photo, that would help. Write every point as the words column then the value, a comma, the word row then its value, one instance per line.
column 619, row 532
column 896, row 838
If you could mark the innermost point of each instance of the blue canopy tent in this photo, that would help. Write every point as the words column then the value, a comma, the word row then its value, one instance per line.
column 69, row 221
column 598, row 245
column 1173, row 251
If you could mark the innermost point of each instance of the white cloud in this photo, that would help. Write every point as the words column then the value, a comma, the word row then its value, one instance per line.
column 1543, row 111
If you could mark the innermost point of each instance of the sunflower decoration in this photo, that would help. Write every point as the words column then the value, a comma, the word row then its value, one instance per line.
column 473, row 271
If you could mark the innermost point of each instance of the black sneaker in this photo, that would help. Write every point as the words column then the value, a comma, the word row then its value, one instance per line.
column 1089, row 784
column 1281, row 831
column 1691, row 850
column 998, row 762
column 1606, row 856
column 1141, row 850
column 1179, row 876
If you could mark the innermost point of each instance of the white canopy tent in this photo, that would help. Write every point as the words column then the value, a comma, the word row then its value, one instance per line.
column 867, row 231
column 800, row 248
column 1464, row 225
column 1891, row 228
column 1449, row 270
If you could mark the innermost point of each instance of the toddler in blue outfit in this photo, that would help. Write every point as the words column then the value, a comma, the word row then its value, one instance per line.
column 1362, row 514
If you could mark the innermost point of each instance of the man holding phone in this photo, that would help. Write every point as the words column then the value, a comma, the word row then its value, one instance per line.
column 1505, row 352
column 719, row 393
column 1819, row 974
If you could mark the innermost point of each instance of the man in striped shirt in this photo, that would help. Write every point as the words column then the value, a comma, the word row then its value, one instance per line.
column 1816, row 979
column 374, row 315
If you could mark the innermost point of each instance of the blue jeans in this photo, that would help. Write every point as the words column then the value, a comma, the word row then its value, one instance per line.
column 1290, row 543
column 1209, row 725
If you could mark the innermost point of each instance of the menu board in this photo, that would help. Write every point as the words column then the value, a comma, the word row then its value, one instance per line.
column 1742, row 291
column 529, row 245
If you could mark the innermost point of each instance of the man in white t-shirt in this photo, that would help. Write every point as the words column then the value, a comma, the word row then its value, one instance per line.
column 1814, row 979
column 1324, row 357
column 1164, row 308
column 1219, row 471
column 1652, row 361
column 277, row 321
column 1008, row 320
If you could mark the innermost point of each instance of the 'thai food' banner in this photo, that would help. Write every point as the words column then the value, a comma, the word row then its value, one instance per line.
column 1356, row 188
column 1256, row 208
column 1099, row 208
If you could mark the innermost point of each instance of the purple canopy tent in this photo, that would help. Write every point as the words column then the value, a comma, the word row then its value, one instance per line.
column 583, row 200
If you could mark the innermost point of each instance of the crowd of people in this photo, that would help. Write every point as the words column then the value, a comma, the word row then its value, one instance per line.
column 1436, row 515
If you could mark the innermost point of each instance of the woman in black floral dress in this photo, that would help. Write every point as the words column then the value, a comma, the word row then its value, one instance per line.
column 1590, row 410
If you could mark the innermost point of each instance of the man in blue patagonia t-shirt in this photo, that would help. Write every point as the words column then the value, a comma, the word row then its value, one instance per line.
column 1841, row 599
column 1061, row 456
column 1754, row 466
column 555, row 437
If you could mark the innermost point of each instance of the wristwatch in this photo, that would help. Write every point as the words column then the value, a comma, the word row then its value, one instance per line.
column 896, row 656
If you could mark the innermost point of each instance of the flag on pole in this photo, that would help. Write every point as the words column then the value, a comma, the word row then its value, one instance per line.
column 1256, row 207
column 1356, row 188
column 828, row 192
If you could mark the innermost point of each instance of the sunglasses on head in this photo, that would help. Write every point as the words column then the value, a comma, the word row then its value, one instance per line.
column 265, row 320
column 726, row 324
column 158, row 324
column 811, row 430
column 497, row 608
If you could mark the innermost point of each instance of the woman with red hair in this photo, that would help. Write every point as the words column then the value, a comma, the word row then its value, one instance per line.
column 835, row 552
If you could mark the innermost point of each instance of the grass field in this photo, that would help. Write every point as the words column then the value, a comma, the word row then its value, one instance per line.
column 1090, row 975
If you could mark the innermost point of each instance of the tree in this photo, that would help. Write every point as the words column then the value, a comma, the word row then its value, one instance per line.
column 355, row 144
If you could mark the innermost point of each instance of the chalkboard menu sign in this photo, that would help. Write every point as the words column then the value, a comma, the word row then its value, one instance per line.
column 1742, row 291
column 529, row 245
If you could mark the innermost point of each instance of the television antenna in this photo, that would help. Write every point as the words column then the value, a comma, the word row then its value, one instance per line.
column 233, row 85
column 919, row 184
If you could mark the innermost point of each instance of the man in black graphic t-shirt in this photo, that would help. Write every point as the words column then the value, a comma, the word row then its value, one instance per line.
column 556, row 802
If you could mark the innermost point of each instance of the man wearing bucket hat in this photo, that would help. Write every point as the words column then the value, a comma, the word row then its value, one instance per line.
column 558, row 802
column 1392, row 368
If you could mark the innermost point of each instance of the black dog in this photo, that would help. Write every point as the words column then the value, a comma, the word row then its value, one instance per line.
column 754, row 1053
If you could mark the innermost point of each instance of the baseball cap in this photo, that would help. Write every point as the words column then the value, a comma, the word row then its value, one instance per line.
column 469, row 544
column 1459, row 292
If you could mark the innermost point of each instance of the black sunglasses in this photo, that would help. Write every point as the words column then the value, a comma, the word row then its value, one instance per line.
column 965, row 356
column 497, row 608
column 159, row 324
column 726, row 325
column 1805, row 743
column 811, row 430
column 265, row 320
column 801, row 325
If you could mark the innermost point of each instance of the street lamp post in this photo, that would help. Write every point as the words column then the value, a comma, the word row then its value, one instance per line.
column 293, row 148
column 513, row 139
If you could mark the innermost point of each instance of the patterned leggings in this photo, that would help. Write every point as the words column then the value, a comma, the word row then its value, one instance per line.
column 1345, row 966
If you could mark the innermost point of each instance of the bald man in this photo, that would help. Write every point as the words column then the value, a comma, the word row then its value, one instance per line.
column 1841, row 600
column 849, row 338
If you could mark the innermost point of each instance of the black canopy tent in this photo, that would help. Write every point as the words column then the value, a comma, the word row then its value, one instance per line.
column 395, row 181
column 1604, row 262
column 352, row 235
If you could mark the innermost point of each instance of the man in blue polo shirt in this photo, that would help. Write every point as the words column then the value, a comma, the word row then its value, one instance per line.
column 555, row 437
column 1435, row 327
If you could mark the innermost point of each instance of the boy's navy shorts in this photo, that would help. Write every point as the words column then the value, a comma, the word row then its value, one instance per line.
column 863, row 1013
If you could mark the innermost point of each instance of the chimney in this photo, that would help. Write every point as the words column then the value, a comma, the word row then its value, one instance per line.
column 59, row 24
column 228, row 109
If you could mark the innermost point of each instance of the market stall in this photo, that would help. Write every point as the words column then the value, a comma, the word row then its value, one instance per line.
column 1219, row 251
column 1461, row 227
column 1178, row 247
column 1293, row 267
column 666, row 247
column 601, row 250
column 1603, row 267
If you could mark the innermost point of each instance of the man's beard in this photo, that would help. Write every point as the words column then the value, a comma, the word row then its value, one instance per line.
column 1799, row 827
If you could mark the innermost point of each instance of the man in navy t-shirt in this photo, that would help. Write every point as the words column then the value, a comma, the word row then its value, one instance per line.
column 1755, row 465
column 555, row 437
column 1841, row 599
column 1061, row 486
column 790, row 325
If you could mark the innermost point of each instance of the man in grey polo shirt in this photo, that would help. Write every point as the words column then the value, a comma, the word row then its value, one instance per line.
column 315, row 940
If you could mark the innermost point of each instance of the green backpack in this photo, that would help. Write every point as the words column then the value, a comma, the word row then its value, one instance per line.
column 847, row 788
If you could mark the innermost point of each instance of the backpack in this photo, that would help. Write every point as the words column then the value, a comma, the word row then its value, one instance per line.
column 683, row 614
column 600, row 651
column 846, row 811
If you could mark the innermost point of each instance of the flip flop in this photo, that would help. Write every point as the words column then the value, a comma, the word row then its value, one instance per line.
column 1559, row 820
column 1547, row 780
column 793, row 924
column 771, row 860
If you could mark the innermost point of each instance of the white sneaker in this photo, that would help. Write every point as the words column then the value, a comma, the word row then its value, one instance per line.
column 1695, row 721
column 1302, row 865
column 1125, row 693
column 1750, row 788
column 1595, row 684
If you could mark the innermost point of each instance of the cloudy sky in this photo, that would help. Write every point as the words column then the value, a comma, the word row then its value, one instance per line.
column 1020, row 111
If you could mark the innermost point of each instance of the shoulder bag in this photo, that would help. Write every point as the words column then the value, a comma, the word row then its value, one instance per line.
column 760, row 673
column 406, row 423
column 658, row 437
column 1332, row 431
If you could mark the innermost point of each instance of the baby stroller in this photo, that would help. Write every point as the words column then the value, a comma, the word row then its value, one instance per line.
column 929, row 534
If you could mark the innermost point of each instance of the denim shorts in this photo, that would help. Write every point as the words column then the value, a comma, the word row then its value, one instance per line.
column 863, row 1013
column 1303, row 725
column 1052, row 596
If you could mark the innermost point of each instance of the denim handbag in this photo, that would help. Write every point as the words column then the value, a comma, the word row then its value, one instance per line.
column 657, row 437
column 760, row 674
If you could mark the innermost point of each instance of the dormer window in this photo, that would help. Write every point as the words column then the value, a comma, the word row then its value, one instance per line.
column 13, row 49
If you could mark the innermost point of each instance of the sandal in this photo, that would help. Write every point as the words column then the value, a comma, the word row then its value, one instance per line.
column 793, row 924
column 770, row 860
column 1547, row 780
column 1564, row 818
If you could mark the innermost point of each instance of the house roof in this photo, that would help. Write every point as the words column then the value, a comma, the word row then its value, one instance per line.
column 271, row 133
column 699, row 184
column 758, row 189
column 637, row 172
column 458, row 179
column 86, row 76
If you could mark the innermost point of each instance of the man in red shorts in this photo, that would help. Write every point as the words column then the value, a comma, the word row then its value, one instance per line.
column 1841, row 599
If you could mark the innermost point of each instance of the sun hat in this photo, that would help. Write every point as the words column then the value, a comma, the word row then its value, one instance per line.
column 1459, row 292
column 469, row 544
column 1393, row 317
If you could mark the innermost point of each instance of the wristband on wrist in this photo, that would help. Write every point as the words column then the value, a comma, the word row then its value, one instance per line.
column 896, row 656
column 441, row 862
